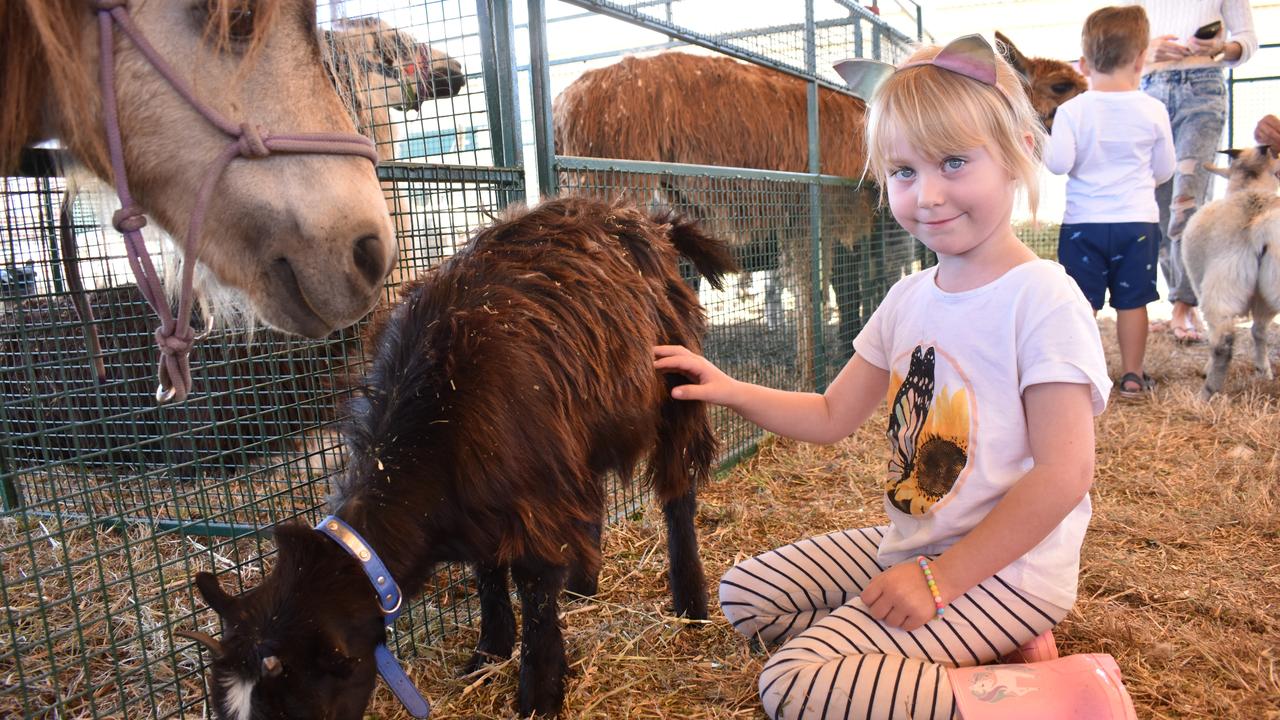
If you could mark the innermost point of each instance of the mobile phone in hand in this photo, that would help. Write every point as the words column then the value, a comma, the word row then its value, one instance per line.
column 1210, row 31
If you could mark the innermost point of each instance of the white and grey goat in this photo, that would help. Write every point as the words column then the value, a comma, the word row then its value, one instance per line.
column 1231, row 251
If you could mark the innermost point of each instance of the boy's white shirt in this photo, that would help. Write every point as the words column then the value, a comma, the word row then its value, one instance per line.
column 1116, row 148
column 1032, row 325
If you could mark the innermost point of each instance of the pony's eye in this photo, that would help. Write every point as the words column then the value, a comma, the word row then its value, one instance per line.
column 1062, row 87
column 232, row 20
column 240, row 24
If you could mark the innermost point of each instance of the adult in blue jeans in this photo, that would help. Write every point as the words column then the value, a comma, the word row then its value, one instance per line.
column 1185, row 73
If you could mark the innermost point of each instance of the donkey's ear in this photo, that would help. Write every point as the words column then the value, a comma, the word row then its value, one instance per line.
column 1011, row 54
column 214, row 596
column 1232, row 153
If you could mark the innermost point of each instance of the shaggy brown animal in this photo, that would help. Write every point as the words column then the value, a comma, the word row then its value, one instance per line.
column 1048, row 83
column 511, row 379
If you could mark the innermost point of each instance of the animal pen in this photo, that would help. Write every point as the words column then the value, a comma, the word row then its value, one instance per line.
column 112, row 503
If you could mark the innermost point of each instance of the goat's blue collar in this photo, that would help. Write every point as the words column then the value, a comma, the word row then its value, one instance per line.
column 390, row 600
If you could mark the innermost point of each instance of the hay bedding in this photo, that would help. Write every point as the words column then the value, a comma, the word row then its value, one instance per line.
column 1179, row 577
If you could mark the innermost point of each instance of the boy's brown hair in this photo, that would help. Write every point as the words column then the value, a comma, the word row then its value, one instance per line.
column 1114, row 37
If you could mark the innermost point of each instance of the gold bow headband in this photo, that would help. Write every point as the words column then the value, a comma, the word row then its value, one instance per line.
column 970, row 56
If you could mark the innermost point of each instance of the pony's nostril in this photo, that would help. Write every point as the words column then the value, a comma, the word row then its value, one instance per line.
column 370, row 257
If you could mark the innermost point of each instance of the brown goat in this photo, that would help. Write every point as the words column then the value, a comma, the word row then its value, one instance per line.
column 509, row 381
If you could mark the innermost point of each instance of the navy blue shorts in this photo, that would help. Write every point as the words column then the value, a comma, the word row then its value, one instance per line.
column 1119, row 257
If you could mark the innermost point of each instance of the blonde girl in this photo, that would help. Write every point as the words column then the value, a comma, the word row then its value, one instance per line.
column 993, row 369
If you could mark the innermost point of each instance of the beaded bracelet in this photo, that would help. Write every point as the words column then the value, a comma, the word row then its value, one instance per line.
column 933, row 586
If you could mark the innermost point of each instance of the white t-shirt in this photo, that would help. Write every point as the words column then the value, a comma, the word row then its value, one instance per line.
column 959, row 363
column 1117, row 147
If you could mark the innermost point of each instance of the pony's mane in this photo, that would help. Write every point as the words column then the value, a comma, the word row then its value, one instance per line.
column 43, row 64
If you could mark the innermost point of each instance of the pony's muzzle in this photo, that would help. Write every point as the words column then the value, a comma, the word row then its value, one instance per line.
column 311, row 293
column 444, row 76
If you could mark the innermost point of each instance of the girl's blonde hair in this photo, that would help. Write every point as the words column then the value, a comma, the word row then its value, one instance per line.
column 941, row 113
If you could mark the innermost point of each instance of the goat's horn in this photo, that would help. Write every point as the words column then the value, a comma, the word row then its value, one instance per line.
column 271, row 666
column 214, row 646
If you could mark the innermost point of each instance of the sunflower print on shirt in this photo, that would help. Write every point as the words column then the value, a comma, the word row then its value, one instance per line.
column 928, row 436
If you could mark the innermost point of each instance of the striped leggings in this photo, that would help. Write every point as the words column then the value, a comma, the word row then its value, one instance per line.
column 836, row 661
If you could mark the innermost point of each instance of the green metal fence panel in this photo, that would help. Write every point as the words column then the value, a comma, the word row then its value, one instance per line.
column 1253, row 93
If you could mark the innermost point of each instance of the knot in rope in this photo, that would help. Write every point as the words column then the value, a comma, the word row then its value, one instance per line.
column 128, row 218
column 175, row 363
column 175, row 342
column 100, row 5
column 252, row 141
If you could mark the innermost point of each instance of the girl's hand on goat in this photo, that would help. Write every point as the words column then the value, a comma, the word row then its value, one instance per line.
column 1167, row 47
column 711, row 384
column 899, row 597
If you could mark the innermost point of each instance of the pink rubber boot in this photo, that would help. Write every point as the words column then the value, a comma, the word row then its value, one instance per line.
column 1040, row 649
column 1075, row 687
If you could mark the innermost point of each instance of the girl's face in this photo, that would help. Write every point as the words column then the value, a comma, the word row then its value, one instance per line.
column 953, row 206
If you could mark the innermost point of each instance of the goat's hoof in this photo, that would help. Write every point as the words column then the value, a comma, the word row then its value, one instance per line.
column 544, row 696
column 478, row 661
column 579, row 589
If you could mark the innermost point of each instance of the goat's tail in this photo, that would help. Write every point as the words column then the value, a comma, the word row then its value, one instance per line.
column 711, row 257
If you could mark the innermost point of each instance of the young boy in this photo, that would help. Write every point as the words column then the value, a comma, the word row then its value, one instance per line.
column 1115, row 143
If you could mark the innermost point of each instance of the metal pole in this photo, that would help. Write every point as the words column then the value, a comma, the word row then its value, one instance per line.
column 540, row 82
column 816, row 290
column 12, row 499
column 496, row 42
column 1231, row 107
column 51, row 232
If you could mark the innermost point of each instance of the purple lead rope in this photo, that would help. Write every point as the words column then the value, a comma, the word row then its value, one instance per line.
column 175, row 336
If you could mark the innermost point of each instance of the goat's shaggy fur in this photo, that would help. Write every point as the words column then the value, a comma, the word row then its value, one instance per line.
column 510, row 380
column 1231, row 251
